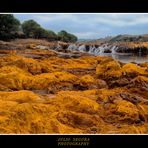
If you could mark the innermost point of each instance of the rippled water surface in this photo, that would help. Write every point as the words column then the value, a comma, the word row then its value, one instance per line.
column 128, row 58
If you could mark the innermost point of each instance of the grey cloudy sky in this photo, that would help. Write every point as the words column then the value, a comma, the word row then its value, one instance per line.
column 92, row 26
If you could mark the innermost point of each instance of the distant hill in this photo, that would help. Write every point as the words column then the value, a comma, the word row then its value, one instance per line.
column 130, row 38
column 118, row 38
column 86, row 40
column 106, row 39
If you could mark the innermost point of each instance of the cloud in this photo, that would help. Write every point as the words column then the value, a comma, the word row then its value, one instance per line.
column 111, row 19
column 55, row 17
column 89, row 35
column 91, row 25
column 121, row 19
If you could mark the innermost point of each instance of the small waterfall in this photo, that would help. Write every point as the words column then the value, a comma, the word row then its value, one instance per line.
column 82, row 48
column 97, row 51
column 58, row 47
column 113, row 49
column 140, row 52
column 72, row 47
column 92, row 49
column 101, row 49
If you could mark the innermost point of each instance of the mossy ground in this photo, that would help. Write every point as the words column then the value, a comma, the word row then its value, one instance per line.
column 85, row 95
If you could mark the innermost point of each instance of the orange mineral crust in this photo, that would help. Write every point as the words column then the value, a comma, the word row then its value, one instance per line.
column 42, row 91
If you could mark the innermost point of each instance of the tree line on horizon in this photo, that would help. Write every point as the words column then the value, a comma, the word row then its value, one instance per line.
column 11, row 28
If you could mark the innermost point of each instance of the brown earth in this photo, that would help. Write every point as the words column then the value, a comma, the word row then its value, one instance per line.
column 41, row 92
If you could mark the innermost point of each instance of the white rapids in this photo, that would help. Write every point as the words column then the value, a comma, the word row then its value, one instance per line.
column 92, row 49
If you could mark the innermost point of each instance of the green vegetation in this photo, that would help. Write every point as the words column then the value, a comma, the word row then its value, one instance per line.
column 66, row 37
column 10, row 28
column 31, row 29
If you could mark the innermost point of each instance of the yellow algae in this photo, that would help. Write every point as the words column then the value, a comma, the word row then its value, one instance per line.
column 139, row 86
column 6, row 106
column 19, row 96
column 139, row 81
column 143, row 111
column 134, row 129
column 4, row 51
column 133, row 70
column 41, row 52
column 4, row 88
column 30, row 65
column 43, row 81
column 14, row 81
column 79, row 120
column 18, row 79
column 127, row 110
column 144, row 65
column 48, row 94
column 142, row 78
column 65, row 76
column 12, row 69
column 8, row 59
column 78, row 103
column 87, row 79
column 82, row 63
column 133, row 45
column 28, row 118
column 106, row 95
column 91, row 94
column 109, row 69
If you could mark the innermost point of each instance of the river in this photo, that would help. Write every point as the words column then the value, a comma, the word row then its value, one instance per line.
column 127, row 58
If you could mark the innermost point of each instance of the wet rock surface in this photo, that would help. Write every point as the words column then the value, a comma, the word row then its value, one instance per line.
column 67, row 94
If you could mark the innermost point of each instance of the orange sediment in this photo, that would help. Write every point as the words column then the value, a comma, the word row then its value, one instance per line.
column 84, row 95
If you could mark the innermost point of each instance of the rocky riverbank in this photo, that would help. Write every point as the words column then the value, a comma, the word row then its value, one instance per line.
column 95, row 48
column 43, row 91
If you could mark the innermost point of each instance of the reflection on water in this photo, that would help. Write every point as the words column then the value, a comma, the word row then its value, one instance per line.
column 128, row 58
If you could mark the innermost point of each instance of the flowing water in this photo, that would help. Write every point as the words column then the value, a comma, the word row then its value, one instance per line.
column 128, row 58
column 110, row 50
